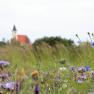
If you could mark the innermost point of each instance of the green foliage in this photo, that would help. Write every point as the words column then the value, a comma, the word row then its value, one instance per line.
column 52, row 41
column 2, row 43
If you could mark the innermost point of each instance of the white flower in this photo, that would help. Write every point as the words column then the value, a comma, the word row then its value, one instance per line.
column 62, row 68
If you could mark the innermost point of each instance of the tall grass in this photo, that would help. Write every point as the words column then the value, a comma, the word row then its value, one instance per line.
column 45, row 58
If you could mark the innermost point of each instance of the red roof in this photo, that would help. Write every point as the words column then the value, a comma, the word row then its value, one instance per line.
column 23, row 39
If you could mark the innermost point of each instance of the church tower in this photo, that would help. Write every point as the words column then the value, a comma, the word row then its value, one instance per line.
column 14, row 31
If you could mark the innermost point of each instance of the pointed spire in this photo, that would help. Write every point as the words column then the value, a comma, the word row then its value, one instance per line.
column 14, row 28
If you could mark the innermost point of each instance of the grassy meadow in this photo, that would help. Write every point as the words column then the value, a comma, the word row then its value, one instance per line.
column 45, row 58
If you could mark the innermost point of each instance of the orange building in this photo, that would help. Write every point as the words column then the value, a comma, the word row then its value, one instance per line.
column 23, row 39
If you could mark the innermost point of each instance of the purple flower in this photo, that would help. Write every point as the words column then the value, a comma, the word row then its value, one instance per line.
column 72, row 68
column 87, row 68
column 37, row 89
column 92, row 43
column 4, row 63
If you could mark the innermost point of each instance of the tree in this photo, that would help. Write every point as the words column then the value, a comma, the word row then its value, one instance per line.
column 2, row 43
column 52, row 41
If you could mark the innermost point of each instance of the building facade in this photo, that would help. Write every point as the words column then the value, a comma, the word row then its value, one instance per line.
column 22, row 39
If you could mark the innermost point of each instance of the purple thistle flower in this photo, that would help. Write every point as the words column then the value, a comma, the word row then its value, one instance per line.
column 72, row 68
column 37, row 89
column 4, row 63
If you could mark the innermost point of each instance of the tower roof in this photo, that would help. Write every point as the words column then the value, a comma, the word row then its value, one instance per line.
column 23, row 39
column 14, row 28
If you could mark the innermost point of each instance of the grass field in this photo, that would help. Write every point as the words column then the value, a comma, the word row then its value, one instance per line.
column 45, row 58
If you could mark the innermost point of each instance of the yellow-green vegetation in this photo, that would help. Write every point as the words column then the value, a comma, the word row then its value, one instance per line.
column 46, row 59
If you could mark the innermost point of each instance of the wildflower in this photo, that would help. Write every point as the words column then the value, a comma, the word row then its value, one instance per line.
column 4, row 76
column 35, row 74
column 37, row 89
column 4, row 63
column 79, row 81
column 87, row 68
column 17, row 87
column 81, row 69
column 83, row 76
column 92, row 43
column 62, row 68
column 9, row 86
column 72, row 68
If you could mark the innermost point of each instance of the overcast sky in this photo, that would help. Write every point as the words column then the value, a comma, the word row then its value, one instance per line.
column 38, row 18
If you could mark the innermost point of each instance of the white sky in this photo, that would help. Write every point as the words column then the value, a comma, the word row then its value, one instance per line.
column 38, row 18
